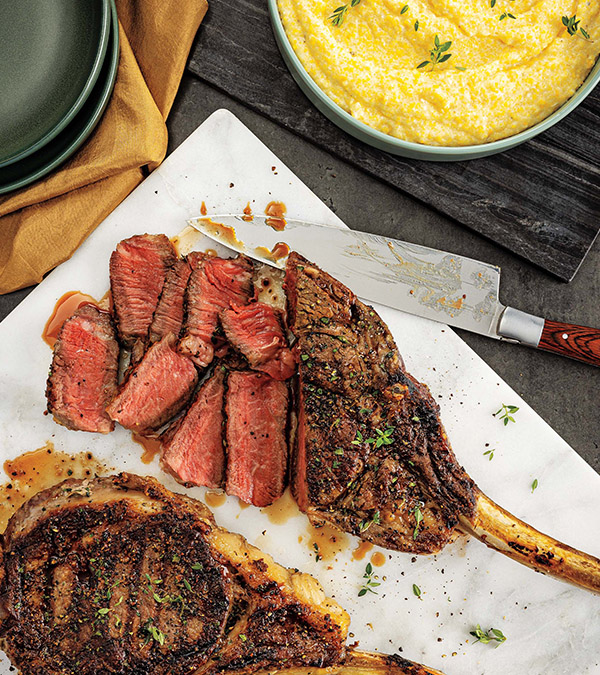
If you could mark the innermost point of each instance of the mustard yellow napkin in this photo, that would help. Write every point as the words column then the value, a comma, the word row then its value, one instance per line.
column 43, row 224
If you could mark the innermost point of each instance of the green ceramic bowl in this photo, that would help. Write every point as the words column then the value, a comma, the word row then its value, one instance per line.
column 33, row 167
column 396, row 146
column 51, row 55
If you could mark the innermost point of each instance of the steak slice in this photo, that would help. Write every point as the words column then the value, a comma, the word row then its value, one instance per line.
column 168, row 317
column 119, row 575
column 257, row 447
column 215, row 284
column 194, row 453
column 138, row 268
column 156, row 390
column 256, row 330
column 371, row 454
column 83, row 375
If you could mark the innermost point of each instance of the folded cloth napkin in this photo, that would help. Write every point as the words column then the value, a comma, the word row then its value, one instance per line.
column 43, row 224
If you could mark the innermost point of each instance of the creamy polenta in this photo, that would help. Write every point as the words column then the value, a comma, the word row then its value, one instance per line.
column 446, row 72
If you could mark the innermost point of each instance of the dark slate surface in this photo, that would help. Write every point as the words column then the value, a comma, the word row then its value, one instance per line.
column 540, row 200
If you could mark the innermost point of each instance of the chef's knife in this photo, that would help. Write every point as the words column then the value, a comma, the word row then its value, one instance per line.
column 434, row 284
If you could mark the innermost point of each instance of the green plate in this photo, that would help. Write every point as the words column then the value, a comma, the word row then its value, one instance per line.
column 55, row 152
column 51, row 55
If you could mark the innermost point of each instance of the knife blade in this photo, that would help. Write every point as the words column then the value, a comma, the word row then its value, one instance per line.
column 437, row 285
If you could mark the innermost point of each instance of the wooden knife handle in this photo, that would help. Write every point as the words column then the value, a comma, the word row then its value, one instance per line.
column 575, row 342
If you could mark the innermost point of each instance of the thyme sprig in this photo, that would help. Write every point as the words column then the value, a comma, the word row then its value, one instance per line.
column 571, row 23
column 437, row 55
column 507, row 413
column 366, row 524
column 370, row 583
column 491, row 635
column 339, row 14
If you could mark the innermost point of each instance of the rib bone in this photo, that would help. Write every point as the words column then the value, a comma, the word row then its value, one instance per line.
column 500, row 530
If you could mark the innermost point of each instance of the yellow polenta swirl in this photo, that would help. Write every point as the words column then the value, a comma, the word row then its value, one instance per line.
column 517, row 71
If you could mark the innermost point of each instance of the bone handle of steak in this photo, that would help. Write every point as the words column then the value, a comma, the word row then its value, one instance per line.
column 362, row 663
column 502, row 531
column 575, row 342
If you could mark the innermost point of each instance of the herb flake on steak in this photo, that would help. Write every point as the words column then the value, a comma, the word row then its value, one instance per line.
column 83, row 374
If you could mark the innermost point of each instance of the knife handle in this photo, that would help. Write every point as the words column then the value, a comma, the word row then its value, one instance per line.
column 567, row 339
column 576, row 342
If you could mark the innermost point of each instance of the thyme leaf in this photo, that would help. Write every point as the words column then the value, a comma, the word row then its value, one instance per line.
column 491, row 635
column 437, row 55
column 339, row 14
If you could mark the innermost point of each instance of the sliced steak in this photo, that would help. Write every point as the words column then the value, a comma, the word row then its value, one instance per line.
column 138, row 268
column 256, row 330
column 215, row 284
column 119, row 575
column 83, row 375
column 194, row 453
column 257, row 447
column 371, row 454
column 157, row 389
column 168, row 317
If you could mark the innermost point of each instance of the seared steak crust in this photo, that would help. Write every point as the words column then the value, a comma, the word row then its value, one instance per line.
column 119, row 575
column 83, row 375
column 371, row 454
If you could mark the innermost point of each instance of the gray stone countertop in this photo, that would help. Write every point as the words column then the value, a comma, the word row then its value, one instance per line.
column 565, row 393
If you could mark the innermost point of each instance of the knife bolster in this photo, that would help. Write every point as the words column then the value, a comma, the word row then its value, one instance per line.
column 518, row 326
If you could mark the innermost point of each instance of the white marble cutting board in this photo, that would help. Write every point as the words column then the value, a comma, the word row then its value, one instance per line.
column 551, row 628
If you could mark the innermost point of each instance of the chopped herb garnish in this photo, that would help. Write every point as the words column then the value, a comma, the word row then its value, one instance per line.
column 492, row 3
column 506, row 15
column 366, row 524
column 243, row 638
column 339, row 14
column 418, row 519
column 383, row 437
column 572, row 26
column 186, row 583
column 404, row 9
column 338, row 451
column 154, row 633
column 317, row 552
column 197, row 566
column 417, row 591
column 416, row 25
column 175, row 558
column 493, row 634
column 304, row 357
column 436, row 55
column 461, row 68
column 359, row 439
column 370, row 582
column 507, row 413
column 534, row 485
column 490, row 454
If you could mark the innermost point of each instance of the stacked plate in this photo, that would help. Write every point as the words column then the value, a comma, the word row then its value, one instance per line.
column 58, row 64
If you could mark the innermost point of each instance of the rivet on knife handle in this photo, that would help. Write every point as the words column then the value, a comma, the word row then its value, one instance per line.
column 575, row 342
